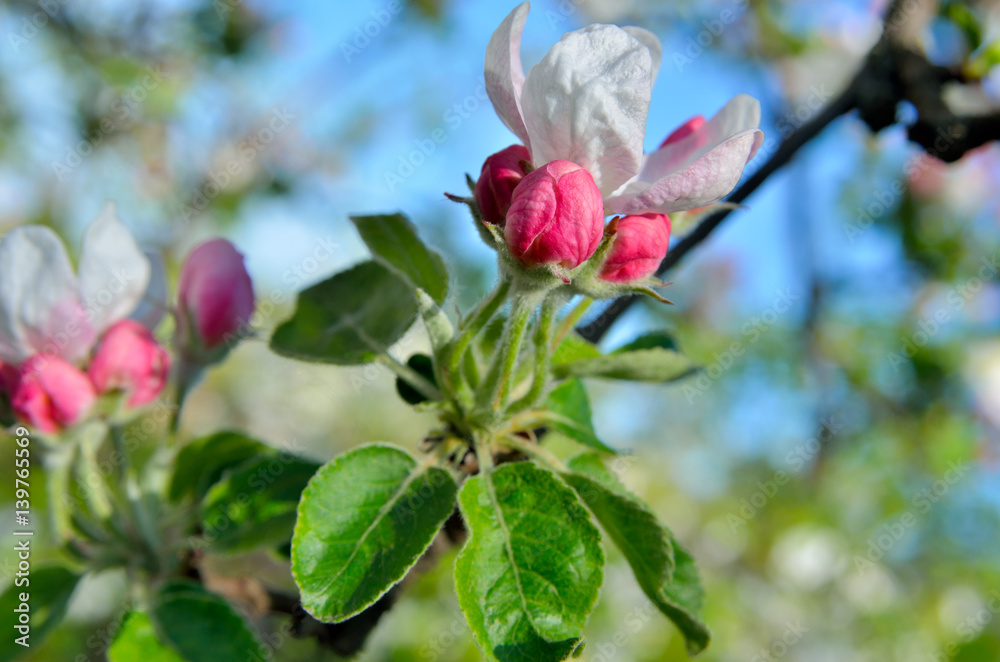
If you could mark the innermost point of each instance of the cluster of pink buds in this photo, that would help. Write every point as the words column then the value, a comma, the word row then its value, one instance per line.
column 50, row 390
column 554, row 215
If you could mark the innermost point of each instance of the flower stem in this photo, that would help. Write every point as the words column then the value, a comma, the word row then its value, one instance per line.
column 536, row 451
column 493, row 392
column 410, row 376
column 543, row 336
column 477, row 320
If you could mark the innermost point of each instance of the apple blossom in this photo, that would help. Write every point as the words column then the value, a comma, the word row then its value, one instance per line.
column 555, row 216
column 130, row 360
column 215, row 297
column 51, row 394
column 684, row 130
column 500, row 174
column 638, row 246
column 587, row 102
column 47, row 309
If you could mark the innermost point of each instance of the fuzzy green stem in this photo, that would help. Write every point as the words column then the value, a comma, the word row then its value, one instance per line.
column 410, row 376
column 543, row 354
column 477, row 320
column 493, row 392
column 537, row 452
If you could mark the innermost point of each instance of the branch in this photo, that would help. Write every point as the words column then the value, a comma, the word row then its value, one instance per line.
column 895, row 70
column 786, row 150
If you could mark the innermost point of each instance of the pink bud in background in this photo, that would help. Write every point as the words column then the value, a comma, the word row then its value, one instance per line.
column 215, row 295
column 51, row 393
column 556, row 216
column 129, row 359
column 684, row 130
column 501, row 173
column 640, row 243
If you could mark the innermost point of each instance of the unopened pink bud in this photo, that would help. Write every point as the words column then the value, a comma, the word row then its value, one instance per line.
column 640, row 243
column 51, row 393
column 215, row 297
column 130, row 360
column 556, row 216
column 684, row 130
column 501, row 173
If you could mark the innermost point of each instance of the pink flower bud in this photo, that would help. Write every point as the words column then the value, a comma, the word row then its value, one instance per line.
column 51, row 393
column 684, row 130
column 215, row 295
column 129, row 359
column 640, row 243
column 501, row 173
column 556, row 216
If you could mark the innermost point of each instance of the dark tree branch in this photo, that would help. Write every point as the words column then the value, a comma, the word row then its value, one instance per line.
column 894, row 71
column 786, row 150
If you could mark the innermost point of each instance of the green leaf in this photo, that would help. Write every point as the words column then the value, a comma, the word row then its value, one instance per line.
column 574, row 348
column 137, row 641
column 656, row 339
column 656, row 365
column 254, row 505
column 965, row 20
column 364, row 520
column 424, row 366
column 203, row 461
column 201, row 626
column 439, row 327
column 393, row 241
column 983, row 60
column 529, row 574
column 682, row 601
column 571, row 409
column 666, row 572
column 349, row 318
column 48, row 591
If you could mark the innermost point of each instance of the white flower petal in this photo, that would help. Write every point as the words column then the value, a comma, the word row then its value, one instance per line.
column 697, row 170
column 154, row 304
column 650, row 41
column 40, row 309
column 114, row 273
column 587, row 101
column 503, row 73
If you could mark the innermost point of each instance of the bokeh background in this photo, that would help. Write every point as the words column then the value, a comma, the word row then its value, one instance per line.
column 834, row 469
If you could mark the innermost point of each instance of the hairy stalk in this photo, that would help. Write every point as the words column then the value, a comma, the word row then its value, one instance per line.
column 543, row 354
column 140, row 515
column 535, row 451
column 411, row 376
column 483, row 313
column 493, row 392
